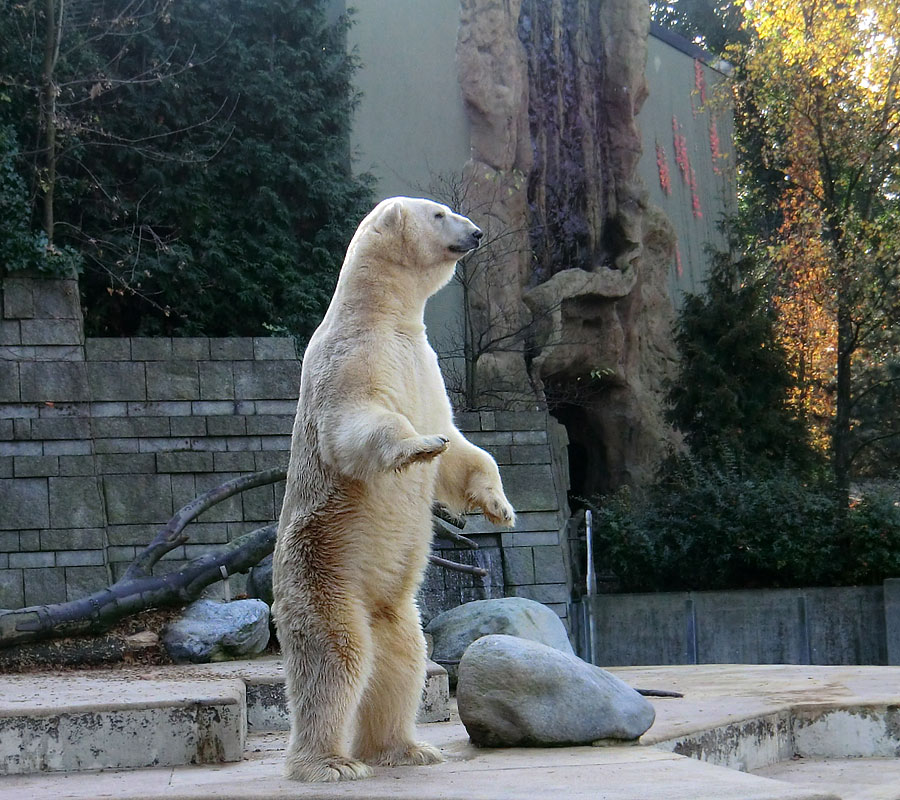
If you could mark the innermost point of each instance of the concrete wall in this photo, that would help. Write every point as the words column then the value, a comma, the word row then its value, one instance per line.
column 410, row 127
column 841, row 625
column 677, row 75
column 101, row 440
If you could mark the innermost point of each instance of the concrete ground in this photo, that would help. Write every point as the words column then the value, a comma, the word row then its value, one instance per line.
column 750, row 717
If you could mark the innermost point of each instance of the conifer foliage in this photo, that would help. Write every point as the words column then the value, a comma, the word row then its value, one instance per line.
column 732, row 389
column 201, row 162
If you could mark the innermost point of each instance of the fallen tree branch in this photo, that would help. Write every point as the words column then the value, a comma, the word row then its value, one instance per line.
column 172, row 535
column 453, row 565
column 138, row 590
column 443, row 531
column 101, row 610
column 443, row 513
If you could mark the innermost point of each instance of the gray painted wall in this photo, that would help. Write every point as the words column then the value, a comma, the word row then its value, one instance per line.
column 674, row 95
column 411, row 126
column 839, row 625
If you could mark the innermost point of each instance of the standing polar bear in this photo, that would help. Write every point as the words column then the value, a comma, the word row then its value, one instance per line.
column 374, row 445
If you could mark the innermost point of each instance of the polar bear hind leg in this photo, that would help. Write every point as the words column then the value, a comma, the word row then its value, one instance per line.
column 386, row 732
column 327, row 665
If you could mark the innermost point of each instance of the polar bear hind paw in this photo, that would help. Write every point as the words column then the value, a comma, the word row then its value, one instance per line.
column 417, row 754
column 420, row 448
column 327, row 769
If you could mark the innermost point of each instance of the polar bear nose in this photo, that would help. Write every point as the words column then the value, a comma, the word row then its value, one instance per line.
column 477, row 234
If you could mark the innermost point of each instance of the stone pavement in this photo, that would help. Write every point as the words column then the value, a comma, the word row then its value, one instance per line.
column 747, row 717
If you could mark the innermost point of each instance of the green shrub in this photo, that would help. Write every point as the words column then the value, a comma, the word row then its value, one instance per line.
column 712, row 527
column 22, row 248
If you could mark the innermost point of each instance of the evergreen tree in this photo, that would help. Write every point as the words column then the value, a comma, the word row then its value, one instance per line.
column 731, row 391
column 20, row 247
column 204, row 165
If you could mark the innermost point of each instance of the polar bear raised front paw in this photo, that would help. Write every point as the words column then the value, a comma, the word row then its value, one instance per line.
column 497, row 508
column 419, row 448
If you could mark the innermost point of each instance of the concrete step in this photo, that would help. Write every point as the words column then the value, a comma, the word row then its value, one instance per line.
column 97, row 721
column 568, row 773
column 722, row 719
column 160, row 716
column 267, row 704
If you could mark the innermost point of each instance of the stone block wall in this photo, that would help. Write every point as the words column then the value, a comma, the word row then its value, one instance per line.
column 530, row 560
column 102, row 440
column 96, row 454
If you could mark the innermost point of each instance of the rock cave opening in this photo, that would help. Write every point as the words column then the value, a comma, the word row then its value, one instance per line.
column 588, row 468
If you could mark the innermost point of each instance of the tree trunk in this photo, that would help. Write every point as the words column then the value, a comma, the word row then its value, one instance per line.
column 54, row 15
column 840, row 440
column 101, row 610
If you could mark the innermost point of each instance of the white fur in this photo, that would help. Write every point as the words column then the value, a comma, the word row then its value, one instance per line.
column 374, row 445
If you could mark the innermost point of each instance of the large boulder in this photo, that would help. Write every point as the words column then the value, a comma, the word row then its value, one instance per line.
column 259, row 582
column 213, row 631
column 456, row 629
column 516, row 692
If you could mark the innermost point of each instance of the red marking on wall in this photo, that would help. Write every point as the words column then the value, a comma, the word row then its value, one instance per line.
column 700, row 81
column 662, row 164
column 714, row 146
column 684, row 165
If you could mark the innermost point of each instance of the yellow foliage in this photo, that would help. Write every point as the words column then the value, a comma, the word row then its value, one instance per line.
column 826, row 78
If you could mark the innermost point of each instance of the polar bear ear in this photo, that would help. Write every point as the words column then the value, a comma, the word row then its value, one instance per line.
column 392, row 217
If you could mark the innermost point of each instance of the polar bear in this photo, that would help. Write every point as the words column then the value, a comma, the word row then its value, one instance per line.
column 373, row 446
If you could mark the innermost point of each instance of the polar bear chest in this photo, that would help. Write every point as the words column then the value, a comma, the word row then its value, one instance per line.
column 413, row 382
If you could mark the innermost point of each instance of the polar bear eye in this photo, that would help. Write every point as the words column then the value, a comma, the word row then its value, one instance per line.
column 439, row 215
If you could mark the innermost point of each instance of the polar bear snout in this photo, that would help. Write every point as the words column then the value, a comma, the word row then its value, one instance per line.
column 469, row 241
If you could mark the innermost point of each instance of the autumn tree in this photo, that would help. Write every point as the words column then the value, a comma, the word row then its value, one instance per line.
column 825, row 79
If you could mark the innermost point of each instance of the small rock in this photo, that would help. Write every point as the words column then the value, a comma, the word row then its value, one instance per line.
column 213, row 631
column 259, row 582
column 140, row 640
column 516, row 692
column 456, row 629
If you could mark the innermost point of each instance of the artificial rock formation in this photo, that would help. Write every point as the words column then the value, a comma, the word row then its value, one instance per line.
column 576, row 300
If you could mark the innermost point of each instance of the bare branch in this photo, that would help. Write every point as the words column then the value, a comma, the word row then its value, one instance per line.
column 452, row 565
column 171, row 536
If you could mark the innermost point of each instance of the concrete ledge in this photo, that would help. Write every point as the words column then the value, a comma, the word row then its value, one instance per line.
column 51, row 723
column 267, row 704
column 729, row 709
column 743, row 715
column 164, row 716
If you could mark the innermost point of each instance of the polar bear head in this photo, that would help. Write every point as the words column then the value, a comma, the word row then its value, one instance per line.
column 419, row 236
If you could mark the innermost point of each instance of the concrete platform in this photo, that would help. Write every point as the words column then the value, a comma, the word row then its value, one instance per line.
column 156, row 716
column 737, row 715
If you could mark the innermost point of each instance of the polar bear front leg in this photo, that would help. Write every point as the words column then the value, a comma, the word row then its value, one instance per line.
column 468, row 479
column 359, row 441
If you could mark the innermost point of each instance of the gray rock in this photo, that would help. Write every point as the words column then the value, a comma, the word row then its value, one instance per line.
column 213, row 631
column 513, row 691
column 259, row 582
column 456, row 629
